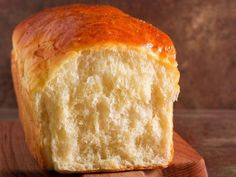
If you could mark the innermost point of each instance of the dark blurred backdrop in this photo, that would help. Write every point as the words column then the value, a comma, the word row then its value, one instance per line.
column 204, row 34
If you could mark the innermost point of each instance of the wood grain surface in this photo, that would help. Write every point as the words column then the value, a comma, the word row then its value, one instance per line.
column 15, row 159
column 213, row 134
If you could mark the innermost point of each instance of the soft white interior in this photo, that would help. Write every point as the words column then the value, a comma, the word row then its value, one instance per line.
column 108, row 108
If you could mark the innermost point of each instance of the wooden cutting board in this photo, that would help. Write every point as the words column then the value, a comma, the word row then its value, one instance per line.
column 15, row 159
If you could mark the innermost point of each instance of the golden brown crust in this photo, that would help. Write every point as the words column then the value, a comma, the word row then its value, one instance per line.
column 74, row 26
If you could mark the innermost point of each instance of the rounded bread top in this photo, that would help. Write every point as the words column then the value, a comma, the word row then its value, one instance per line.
column 58, row 30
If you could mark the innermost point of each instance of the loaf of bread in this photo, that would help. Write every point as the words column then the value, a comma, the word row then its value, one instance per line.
column 95, row 89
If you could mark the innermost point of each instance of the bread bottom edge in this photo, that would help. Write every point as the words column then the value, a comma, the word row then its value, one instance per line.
column 129, row 168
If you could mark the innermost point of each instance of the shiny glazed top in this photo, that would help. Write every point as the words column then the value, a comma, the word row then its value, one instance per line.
column 65, row 28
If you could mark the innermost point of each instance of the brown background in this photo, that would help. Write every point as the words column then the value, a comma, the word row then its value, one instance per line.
column 203, row 33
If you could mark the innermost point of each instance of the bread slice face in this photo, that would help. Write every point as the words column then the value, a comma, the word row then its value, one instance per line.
column 108, row 108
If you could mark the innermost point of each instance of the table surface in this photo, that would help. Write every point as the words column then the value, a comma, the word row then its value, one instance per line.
column 211, row 132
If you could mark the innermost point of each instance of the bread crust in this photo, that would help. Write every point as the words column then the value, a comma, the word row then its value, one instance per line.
column 41, row 42
column 29, row 120
column 74, row 26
